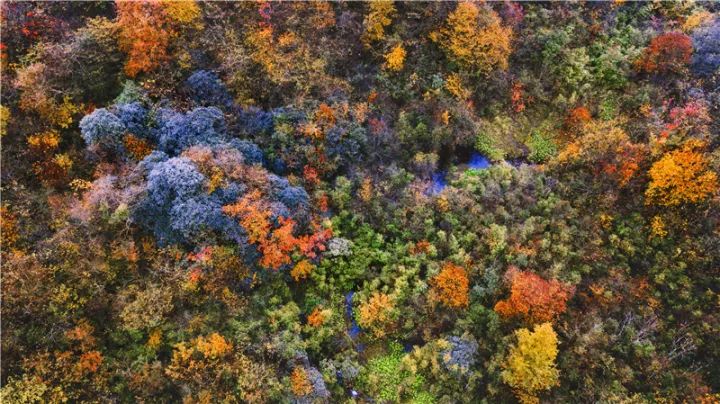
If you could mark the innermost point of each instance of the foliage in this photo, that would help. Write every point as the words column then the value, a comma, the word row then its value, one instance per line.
column 378, row 18
column 451, row 286
column 309, row 202
column 530, row 365
column 667, row 53
column 706, row 51
column 681, row 176
column 474, row 38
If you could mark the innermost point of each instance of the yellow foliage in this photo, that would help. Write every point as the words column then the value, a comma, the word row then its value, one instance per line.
column 696, row 19
column 43, row 143
column 217, row 179
column 62, row 115
column 376, row 313
column 8, row 229
column 183, row 12
column 4, row 119
column 395, row 59
column 475, row 38
column 154, row 339
column 681, row 176
column 379, row 17
column 453, row 84
column 301, row 270
column 530, row 365
column 366, row 190
column 658, row 227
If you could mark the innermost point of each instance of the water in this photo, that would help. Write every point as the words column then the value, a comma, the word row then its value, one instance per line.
column 354, row 329
column 439, row 178
column 478, row 161
column 439, row 182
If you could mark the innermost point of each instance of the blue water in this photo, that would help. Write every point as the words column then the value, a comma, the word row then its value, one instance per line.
column 478, row 161
column 354, row 329
column 439, row 182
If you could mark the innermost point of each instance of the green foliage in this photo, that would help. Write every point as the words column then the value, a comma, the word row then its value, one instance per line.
column 541, row 147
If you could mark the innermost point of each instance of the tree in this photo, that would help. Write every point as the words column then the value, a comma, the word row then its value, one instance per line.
column 377, row 313
column 143, row 35
column 474, row 38
column 533, row 298
column 530, row 365
column 681, row 176
column 395, row 59
column 706, row 41
column 379, row 17
column 667, row 53
column 451, row 286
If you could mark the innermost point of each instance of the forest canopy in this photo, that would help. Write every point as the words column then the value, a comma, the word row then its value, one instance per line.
column 360, row 202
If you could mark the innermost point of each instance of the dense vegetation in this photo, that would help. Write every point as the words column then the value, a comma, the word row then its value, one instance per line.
column 360, row 202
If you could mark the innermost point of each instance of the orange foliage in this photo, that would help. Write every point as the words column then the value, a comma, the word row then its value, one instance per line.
column 451, row 286
column 316, row 318
column 276, row 244
column 299, row 382
column 301, row 270
column 90, row 362
column 138, row 148
column 533, row 298
column 577, row 118
column 666, row 53
column 144, row 35
column 325, row 115
column 681, row 176
column 310, row 174
column 421, row 247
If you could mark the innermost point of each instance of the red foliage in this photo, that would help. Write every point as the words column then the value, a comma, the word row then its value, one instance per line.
column 666, row 53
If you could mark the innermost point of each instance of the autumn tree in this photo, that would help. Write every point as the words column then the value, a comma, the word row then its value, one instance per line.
column 475, row 38
column 451, row 286
column 147, row 29
column 681, row 176
column 379, row 17
column 377, row 313
column 395, row 59
column 276, row 243
column 530, row 365
column 667, row 53
column 533, row 298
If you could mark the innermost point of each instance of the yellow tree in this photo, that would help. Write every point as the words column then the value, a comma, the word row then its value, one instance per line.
column 681, row 176
column 379, row 17
column 530, row 366
column 474, row 38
